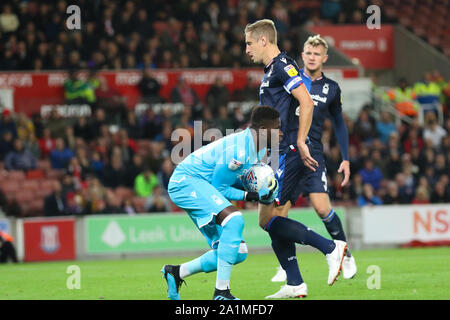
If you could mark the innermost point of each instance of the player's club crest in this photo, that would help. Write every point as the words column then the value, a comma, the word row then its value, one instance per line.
column 50, row 239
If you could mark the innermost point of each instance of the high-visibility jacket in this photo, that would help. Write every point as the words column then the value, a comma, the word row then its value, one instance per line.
column 404, row 100
column 427, row 93
column 6, row 236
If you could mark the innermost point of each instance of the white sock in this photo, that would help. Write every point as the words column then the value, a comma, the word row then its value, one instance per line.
column 222, row 284
column 184, row 271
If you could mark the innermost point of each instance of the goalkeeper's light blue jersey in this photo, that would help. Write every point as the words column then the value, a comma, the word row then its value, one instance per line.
column 222, row 163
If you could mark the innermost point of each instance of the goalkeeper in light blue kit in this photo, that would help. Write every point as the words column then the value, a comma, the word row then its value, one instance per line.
column 203, row 185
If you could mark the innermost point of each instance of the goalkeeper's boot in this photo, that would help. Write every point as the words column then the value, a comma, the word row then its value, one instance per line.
column 172, row 275
column 280, row 276
column 335, row 259
column 223, row 295
column 349, row 267
column 288, row 291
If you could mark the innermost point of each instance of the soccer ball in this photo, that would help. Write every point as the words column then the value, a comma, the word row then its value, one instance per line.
column 259, row 175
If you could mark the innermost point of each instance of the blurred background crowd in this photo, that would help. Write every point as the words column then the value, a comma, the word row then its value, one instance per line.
column 118, row 160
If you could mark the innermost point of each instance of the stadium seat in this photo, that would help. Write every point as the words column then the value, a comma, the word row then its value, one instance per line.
column 44, row 165
column 10, row 186
column 55, row 174
column 30, row 185
column 35, row 174
column 16, row 175
column 123, row 193
column 25, row 197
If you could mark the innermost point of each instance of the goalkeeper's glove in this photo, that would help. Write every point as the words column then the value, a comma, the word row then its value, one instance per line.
column 265, row 195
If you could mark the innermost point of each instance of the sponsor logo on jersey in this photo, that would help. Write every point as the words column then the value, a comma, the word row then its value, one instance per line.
column 290, row 70
column 234, row 165
column 325, row 88
column 283, row 60
column 318, row 98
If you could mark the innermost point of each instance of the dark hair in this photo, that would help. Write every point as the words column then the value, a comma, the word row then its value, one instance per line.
column 263, row 114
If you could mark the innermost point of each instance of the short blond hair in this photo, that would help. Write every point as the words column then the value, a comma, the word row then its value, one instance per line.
column 264, row 27
column 316, row 41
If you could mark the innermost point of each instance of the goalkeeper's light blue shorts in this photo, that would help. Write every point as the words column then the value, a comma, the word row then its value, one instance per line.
column 201, row 201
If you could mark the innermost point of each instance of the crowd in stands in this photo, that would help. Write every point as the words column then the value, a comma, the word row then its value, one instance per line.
column 391, row 162
column 120, row 151
column 153, row 34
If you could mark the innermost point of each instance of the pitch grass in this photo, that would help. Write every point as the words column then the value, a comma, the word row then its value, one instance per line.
column 404, row 274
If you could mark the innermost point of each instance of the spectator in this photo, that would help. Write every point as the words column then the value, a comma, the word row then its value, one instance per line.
column 61, row 155
column 83, row 130
column 7, row 123
column 132, row 126
column 368, row 197
column 406, row 192
column 365, row 126
column 183, row 93
column 96, row 164
column 7, row 249
column 20, row 158
column 149, row 87
column 145, row 182
column 111, row 100
column 54, row 204
column 439, row 194
column 133, row 170
column 46, row 143
column 371, row 175
column 217, row 96
column 56, row 124
column 114, row 174
column 392, row 196
column 77, row 91
column 8, row 20
column 165, row 173
column 422, row 196
column 403, row 97
column 385, row 127
column 128, row 207
column 433, row 131
column 223, row 121
column 6, row 144
column 157, row 202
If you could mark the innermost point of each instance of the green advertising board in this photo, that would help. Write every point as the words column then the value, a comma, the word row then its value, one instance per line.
column 175, row 232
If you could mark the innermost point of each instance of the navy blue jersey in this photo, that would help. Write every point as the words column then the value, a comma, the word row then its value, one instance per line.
column 326, row 95
column 281, row 76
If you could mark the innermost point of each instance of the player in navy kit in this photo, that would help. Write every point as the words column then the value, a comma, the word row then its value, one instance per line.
column 326, row 95
column 283, row 88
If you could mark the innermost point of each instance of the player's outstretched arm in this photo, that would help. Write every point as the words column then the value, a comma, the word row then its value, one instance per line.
column 305, row 119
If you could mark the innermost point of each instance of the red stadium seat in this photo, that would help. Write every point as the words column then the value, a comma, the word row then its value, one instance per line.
column 10, row 186
column 35, row 174
column 28, row 185
column 16, row 175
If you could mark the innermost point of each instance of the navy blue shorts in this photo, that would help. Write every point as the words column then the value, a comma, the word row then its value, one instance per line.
column 294, row 178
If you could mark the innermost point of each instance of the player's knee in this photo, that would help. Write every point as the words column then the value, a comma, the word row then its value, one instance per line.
column 322, row 211
column 234, row 222
column 242, row 253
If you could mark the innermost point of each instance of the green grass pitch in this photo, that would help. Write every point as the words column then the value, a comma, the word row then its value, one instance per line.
column 404, row 274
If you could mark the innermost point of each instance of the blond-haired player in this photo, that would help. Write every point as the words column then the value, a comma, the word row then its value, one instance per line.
column 283, row 88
